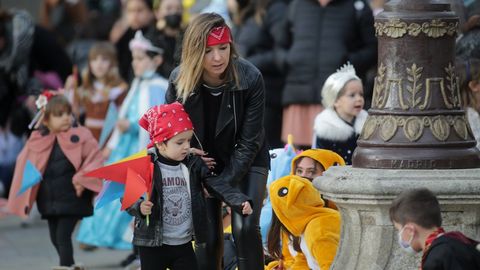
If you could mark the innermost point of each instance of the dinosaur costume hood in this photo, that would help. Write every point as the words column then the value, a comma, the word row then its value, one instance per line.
column 325, row 157
column 297, row 202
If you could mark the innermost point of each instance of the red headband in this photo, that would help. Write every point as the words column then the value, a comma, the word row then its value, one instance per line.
column 219, row 35
column 165, row 121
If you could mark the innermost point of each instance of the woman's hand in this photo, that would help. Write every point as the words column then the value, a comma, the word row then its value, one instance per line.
column 146, row 208
column 247, row 208
column 123, row 125
column 210, row 162
column 78, row 189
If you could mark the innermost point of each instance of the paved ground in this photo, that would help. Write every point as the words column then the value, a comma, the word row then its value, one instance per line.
column 30, row 248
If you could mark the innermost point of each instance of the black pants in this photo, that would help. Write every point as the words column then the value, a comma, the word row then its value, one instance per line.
column 174, row 257
column 245, row 229
column 61, row 229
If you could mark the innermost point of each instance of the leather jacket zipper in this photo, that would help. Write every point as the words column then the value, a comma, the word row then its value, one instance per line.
column 234, row 116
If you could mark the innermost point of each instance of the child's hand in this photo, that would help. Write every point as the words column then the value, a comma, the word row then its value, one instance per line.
column 146, row 208
column 78, row 189
column 123, row 125
column 247, row 208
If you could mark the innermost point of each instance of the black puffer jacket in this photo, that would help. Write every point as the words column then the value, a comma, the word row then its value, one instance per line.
column 256, row 42
column 56, row 195
column 319, row 40
column 152, row 235
column 240, row 136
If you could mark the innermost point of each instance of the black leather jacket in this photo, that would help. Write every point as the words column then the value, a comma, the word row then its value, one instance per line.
column 151, row 235
column 240, row 137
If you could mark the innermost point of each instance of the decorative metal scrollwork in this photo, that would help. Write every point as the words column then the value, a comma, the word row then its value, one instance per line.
column 414, row 127
column 395, row 28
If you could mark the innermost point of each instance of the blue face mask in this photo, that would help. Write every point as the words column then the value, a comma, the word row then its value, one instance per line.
column 148, row 74
column 406, row 246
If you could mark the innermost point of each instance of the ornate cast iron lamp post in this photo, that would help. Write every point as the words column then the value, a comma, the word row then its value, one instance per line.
column 416, row 135
column 416, row 120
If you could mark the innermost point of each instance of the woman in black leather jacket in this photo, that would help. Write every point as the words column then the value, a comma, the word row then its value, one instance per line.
column 224, row 96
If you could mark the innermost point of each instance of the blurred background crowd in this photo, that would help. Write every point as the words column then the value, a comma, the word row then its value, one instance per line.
column 296, row 44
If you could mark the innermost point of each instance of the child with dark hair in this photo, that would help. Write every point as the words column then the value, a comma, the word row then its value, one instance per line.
column 416, row 215
column 166, row 223
column 146, row 90
column 61, row 153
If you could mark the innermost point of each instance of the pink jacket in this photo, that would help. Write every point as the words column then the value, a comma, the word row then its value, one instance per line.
column 78, row 145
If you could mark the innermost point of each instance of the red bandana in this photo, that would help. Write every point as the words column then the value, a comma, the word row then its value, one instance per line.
column 165, row 121
column 219, row 35
column 437, row 233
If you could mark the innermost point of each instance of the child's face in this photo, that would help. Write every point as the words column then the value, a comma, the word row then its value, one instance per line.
column 100, row 66
column 216, row 60
column 351, row 102
column 177, row 147
column 308, row 168
column 58, row 123
column 169, row 7
column 138, row 14
column 141, row 62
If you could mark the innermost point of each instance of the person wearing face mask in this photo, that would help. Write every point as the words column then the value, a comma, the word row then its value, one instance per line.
column 138, row 15
column 416, row 215
column 169, row 31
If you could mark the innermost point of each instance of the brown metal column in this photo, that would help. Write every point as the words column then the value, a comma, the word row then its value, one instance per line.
column 416, row 120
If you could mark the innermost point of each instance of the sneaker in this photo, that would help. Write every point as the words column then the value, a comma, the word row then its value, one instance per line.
column 73, row 267
column 87, row 247
column 78, row 266
column 134, row 265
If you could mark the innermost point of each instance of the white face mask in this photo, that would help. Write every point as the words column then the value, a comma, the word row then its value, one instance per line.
column 406, row 246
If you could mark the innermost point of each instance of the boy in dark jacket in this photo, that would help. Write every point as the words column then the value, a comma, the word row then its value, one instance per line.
column 416, row 214
column 166, row 222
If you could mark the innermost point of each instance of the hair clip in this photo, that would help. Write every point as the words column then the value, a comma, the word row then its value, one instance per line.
column 41, row 103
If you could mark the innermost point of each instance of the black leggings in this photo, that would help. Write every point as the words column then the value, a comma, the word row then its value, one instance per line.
column 61, row 229
column 174, row 257
column 246, row 230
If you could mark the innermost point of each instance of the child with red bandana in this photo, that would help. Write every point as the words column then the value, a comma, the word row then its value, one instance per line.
column 166, row 222
column 225, row 97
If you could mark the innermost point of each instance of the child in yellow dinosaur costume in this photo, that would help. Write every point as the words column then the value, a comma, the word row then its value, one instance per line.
column 301, row 211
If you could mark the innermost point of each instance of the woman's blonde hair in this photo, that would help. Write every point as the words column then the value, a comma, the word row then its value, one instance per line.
column 112, row 78
column 468, row 70
column 193, row 51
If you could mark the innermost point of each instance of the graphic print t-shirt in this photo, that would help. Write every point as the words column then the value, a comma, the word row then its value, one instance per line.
column 177, row 206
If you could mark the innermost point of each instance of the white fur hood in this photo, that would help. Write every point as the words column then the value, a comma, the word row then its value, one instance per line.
column 474, row 121
column 328, row 125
